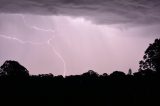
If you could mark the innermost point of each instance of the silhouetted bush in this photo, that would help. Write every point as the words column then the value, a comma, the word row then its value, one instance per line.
column 117, row 74
column 14, row 69
column 90, row 73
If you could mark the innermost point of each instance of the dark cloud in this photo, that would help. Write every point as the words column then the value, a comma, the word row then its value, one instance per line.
column 99, row 11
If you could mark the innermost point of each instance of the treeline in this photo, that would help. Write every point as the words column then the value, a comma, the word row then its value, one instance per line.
column 12, row 69
column 90, row 88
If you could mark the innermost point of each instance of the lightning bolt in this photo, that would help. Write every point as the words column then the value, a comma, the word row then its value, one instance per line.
column 48, row 42
column 35, row 27
column 59, row 55
column 9, row 37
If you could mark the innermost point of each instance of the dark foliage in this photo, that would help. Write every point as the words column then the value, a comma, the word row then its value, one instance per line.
column 141, row 88
column 13, row 69
column 151, row 57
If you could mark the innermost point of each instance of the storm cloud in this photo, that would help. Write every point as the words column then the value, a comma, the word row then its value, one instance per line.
column 98, row 11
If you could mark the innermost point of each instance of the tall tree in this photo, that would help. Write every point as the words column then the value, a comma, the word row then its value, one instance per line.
column 151, row 59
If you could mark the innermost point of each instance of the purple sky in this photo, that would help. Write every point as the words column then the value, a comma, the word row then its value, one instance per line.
column 77, row 36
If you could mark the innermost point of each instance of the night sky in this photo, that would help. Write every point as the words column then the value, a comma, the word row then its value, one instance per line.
column 68, row 37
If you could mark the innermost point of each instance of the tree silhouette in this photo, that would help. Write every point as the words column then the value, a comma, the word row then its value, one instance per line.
column 117, row 74
column 90, row 73
column 13, row 68
column 130, row 72
column 105, row 75
column 151, row 59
